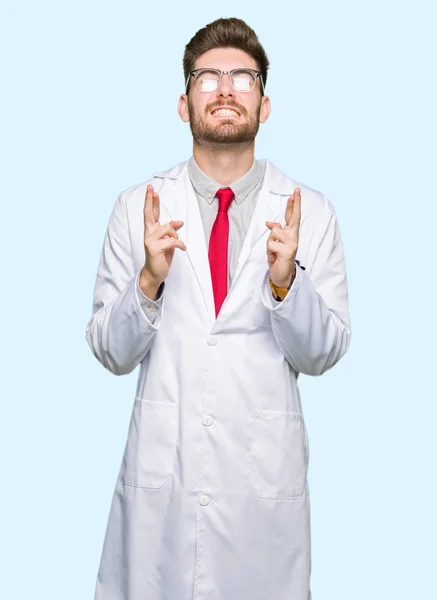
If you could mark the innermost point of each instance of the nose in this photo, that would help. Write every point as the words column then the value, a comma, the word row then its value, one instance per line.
column 225, row 88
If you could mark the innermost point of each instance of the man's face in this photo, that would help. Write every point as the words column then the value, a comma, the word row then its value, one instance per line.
column 244, row 111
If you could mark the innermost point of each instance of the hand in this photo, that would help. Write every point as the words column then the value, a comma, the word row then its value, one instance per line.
column 282, row 243
column 160, row 242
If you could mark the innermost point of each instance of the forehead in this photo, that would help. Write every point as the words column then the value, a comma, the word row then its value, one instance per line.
column 225, row 59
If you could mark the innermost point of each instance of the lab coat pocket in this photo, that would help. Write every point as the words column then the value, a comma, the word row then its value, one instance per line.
column 150, row 451
column 278, row 454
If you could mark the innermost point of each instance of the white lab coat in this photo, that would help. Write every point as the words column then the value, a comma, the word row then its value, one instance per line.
column 211, row 501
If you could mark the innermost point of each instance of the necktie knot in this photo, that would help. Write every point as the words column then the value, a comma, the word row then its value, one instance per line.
column 225, row 197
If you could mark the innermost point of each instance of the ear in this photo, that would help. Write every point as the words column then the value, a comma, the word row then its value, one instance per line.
column 183, row 108
column 265, row 109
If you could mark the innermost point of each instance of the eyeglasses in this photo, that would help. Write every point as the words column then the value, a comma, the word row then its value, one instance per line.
column 208, row 80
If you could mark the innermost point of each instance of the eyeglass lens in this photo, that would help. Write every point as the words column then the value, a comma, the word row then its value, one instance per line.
column 241, row 80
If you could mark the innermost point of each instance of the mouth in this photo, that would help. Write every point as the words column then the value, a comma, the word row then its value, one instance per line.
column 225, row 112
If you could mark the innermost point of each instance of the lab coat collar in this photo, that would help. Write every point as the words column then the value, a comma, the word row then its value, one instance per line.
column 277, row 181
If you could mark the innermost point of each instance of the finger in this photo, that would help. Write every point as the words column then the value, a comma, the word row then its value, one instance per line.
column 169, row 243
column 294, row 222
column 156, row 206
column 280, row 235
column 164, row 231
column 271, row 224
column 274, row 247
column 176, row 224
column 289, row 209
column 297, row 206
column 149, row 217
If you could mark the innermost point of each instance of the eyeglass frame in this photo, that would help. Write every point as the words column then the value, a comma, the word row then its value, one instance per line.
column 221, row 73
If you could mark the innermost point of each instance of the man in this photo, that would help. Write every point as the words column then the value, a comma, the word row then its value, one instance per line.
column 223, row 280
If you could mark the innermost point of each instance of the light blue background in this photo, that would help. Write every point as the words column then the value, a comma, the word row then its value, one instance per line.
column 88, row 108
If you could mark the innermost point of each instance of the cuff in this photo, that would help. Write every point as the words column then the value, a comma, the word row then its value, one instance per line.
column 269, row 300
column 151, row 308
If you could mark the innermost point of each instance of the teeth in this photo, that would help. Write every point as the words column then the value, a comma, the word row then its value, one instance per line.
column 225, row 112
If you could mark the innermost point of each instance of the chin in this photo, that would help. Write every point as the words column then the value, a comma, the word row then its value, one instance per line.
column 225, row 132
column 227, row 126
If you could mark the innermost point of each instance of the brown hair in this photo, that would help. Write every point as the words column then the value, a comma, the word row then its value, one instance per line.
column 225, row 33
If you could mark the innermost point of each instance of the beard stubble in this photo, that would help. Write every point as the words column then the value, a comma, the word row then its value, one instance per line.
column 226, row 131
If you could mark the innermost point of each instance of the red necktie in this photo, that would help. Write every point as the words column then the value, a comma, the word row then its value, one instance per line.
column 218, row 248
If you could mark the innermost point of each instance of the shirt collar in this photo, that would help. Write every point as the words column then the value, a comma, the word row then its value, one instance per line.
column 207, row 187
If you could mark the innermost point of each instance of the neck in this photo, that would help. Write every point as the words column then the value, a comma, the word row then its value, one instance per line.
column 224, row 164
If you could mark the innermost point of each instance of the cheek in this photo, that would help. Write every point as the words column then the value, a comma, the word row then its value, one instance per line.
column 253, row 107
column 196, row 107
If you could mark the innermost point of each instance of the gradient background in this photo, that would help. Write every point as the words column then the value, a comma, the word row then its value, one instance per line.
column 88, row 108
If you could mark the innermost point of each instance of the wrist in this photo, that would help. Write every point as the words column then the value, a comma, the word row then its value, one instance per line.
column 280, row 291
column 149, row 285
column 284, row 284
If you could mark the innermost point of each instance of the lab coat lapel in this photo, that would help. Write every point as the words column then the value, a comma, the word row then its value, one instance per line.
column 182, row 205
column 266, row 209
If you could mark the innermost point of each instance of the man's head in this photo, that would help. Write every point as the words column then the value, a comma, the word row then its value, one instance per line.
column 225, row 108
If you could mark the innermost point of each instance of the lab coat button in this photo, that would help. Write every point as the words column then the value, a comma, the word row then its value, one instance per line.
column 204, row 500
column 207, row 420
column 212, row 341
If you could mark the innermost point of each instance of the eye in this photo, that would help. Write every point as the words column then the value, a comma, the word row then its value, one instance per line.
column 243, row 80
column 207, row 81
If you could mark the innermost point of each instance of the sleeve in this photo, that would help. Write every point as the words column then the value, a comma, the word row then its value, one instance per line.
column 311, row 325
column 119, row 332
